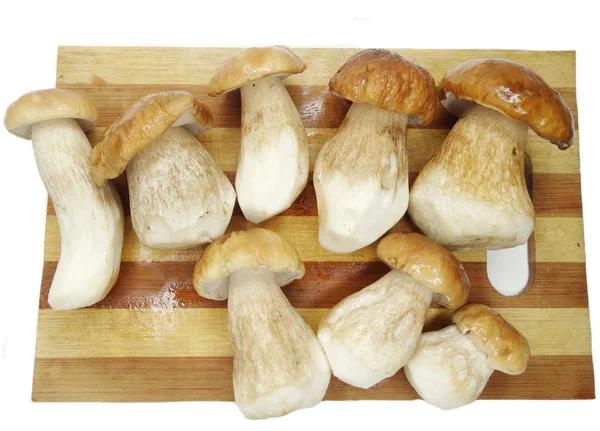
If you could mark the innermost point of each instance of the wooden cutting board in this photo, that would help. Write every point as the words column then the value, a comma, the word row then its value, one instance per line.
column 154, row 339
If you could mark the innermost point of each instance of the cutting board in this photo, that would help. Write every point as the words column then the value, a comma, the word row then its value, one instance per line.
column 154, row 339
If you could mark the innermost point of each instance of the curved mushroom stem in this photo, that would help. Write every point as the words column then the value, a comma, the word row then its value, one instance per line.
column 448, row 370
column 361, row 178
column 373, row 333
column 90, row 218
column 278, row 363
column 273, row 165
column 472, row 194
column 179, row 196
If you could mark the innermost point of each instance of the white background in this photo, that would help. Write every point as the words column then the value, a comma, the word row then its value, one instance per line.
column 30, row 34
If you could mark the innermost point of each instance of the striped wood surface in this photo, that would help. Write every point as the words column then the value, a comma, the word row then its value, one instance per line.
column 154, row 339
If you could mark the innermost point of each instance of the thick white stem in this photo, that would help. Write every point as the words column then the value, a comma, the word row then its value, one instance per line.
column 90, row 218
column 373, row 333
column 273, row 165
column 278, row 363
column 179, row 196
column 447, row 369
column 361, row 178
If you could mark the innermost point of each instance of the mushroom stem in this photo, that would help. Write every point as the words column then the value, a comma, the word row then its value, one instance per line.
column 90, row 218
column 448, row 370
column 361, row 178
column 373, row 333
column 472, row 192
column 179, row 196
column 278, row 363
column 273, row 164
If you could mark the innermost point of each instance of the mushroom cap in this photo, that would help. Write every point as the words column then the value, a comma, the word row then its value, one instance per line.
column 507, row 349
column 141, row 124
column 514, row 90
column 50, row 104
column 429, row 263
column 251, row 249
column 255, row 63
column 388, row 81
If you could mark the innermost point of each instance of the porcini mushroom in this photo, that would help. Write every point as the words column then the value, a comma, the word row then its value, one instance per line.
column 179, row 196
column 361, row 173
column 373, row 333
column 451, row 367
column 472, row 193
column 273, row 164
column 278, row 363
column 90, row 218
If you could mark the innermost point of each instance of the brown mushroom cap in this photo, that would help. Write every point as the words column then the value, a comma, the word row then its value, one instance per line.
column 249, row 249
column 45, row 105
column 514, row 90
column 388, row 81
column 507, row 349
column 255, row 63
column 141, row 125
column 429, row 263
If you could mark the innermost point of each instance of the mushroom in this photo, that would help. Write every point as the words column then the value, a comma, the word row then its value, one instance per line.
column 90, row 218
column 373, row 333
column 361, row 173
column 278, row 364
column 179, row 196
column 273, row 164
column 472, row 193
column 452, row 366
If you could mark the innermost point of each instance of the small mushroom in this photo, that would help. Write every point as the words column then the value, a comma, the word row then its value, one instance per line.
column 373, row 333
column 451, row 367
column 273, row 164
column 179, row 196
column 472, row 193
column 361, row 173
column 278, row 364
column 90, row 218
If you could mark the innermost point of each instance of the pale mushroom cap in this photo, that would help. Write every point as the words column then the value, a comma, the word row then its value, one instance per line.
column 141, row 125
column 50, row 104
column 429, row 263
column 251, row 249
column 388, row 81
column 255, row 63
column 514, row 90
column 507, row 349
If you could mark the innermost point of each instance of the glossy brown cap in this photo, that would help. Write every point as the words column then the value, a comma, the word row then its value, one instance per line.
column 429, row 263
column 507, row 349
column 141, row 125
column 255, row 63
column 387, row 80
column 45, row 105
column 249, row 249
column 514, row 90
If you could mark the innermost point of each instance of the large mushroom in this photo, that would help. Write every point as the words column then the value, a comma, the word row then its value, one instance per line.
column 278, row 364
column 472, row 193
column 361, row 173
column 90, row 218
column 373, row 333
column 179, row 196
column 452, row 366
column 273, row 164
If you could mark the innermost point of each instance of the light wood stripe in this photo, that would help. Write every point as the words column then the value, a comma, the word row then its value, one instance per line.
column 558, row 239
column 181, row 332
column 171, row 66
column 209, row 379
column 560, row 285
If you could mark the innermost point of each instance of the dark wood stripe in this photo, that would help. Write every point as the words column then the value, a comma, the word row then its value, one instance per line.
column 318, row 108
column 554, row 195
column 209, row 379
column 557, row 285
